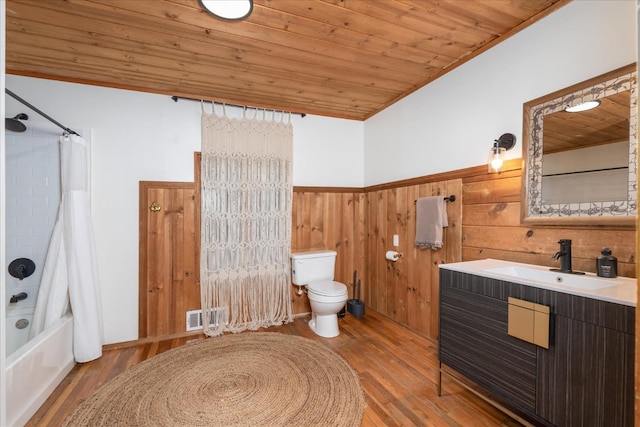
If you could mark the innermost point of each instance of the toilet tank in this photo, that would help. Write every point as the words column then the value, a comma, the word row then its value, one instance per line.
column 312, row 266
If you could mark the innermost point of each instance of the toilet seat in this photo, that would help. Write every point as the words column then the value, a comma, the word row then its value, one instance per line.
column 328, row 288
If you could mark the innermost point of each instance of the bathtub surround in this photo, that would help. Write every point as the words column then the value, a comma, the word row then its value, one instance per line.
column 32, row 178
column 253, row 379
column 70, row 273
column 246, row 221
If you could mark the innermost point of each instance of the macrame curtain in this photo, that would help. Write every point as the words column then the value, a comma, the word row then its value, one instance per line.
column 246, row 222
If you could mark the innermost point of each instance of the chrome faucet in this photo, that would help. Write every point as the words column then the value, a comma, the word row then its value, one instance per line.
column 565, row 256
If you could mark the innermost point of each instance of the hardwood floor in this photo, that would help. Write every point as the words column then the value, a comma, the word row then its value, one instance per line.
column 397, row 368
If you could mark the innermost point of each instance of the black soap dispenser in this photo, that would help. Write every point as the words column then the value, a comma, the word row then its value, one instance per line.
column 607, row 264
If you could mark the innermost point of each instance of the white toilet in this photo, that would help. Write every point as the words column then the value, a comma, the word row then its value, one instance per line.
column 315, row 269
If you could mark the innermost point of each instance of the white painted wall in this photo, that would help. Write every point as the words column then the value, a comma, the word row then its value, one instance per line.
column 451, row 123
column 146, row 137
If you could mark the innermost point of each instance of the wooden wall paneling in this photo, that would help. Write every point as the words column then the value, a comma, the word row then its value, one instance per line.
column 451, row 250
column 197, row 206
column 170, row 292
column 407, row 290
column 369, row 249
column 316, row 221
column 438, row 256
column 349, row 239
column 332, row 220
column 157, row 303
column 544, row 242
column 174, row 276
column 410, row 256
column 359, row 241
column 295, row 227
column 492, row 191
column 345, row 240
column 300, row 242
column 295, row 232
column 492, row 214
column 454, row 213
column 380, row 249
column 359, row 225
column 394, row 301
column 168, row 285
column 492, row 229
column 150, row 250
column 190, row 272
column 470, row 254
column 423, row 273
column 304, row 221
column 375, row 229
column 404, row 293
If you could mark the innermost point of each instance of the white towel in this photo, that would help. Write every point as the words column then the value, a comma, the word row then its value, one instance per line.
column 431, row 217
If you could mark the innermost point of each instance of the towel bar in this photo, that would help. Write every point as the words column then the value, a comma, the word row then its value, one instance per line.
column 451, row 198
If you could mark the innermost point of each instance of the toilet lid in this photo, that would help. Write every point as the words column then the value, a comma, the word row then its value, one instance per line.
column 327, row 288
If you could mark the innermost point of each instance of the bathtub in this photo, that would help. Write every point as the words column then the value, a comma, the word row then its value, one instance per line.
column 16, row 337
column 35, row 369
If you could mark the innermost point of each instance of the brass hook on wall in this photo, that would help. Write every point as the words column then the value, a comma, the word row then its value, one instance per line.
column 155, row 207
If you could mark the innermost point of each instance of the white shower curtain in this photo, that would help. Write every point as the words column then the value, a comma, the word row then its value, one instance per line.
column 70, row 273
column 246, row 223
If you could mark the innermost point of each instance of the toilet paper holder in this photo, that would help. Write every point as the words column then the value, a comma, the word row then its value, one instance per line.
column 393, row 255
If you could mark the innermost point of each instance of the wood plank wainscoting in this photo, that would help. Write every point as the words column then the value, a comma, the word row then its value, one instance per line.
column 169, row 268
column 359, row 223
column 407, row 290
column 329, row 218
column 484, row 222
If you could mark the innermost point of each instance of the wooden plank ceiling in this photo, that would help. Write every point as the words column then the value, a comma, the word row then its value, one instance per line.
column 605, row 124
column 337, row 58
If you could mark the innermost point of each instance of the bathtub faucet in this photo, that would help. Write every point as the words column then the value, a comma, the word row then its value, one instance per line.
column 15, row 298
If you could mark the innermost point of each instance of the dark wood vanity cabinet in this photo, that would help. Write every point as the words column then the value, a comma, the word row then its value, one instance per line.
column 584, row 378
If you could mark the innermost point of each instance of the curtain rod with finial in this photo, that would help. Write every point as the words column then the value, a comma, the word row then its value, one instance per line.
column 176, row 98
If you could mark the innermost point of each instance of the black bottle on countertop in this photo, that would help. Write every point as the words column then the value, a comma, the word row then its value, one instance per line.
column 607, row 264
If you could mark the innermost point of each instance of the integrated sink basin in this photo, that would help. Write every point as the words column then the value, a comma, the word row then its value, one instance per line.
column 555, row 278
column 619, row 290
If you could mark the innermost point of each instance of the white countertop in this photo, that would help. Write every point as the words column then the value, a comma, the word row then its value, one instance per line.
column 622, row 291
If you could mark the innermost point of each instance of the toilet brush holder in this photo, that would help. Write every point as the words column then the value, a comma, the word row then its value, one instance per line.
column 355, row 307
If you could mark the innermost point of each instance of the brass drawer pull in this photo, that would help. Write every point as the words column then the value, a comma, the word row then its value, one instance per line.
column 528, row 321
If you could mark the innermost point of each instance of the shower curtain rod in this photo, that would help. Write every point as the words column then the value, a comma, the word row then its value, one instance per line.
column 17, row 98
column 176, row 98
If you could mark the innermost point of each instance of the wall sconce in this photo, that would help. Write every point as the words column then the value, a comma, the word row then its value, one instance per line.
column 230, row 10
column 500, row 146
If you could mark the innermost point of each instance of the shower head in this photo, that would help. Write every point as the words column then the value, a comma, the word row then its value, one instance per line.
column 14, row 124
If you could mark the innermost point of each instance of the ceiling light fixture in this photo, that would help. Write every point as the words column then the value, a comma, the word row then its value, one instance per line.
column 584, row 106
column 231, row 10
column 500, row 146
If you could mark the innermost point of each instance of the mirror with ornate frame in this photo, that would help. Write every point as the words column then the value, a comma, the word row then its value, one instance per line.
column 579, row 168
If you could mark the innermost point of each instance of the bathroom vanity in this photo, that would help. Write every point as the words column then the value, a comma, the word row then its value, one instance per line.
column 553, row 349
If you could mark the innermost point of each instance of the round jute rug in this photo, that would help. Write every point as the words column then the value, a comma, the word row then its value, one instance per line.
column 247, row 379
